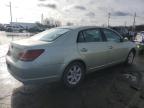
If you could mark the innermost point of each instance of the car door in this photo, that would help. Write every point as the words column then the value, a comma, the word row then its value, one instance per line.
column 117, row 48
column 92, row 47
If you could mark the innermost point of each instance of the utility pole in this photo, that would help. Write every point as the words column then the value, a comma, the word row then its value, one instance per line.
column 109, row 19
column 125, row 24
column 11, row 16
column 42, row 18
column 133, row 28
column 10, row 13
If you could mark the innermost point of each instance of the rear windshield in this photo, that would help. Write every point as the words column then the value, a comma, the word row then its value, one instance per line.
column 51, row 34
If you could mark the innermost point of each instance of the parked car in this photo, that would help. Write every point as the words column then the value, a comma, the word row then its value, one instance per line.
column 35, row 29
column 66, row 54
column 139, row 39
column 2, row 27
column 10, row 28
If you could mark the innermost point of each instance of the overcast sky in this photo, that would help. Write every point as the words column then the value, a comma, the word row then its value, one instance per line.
column 82, row 12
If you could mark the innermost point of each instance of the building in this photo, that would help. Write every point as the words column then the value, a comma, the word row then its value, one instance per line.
column 24, row 25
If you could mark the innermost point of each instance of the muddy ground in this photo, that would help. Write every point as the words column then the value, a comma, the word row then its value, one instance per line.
column 115, row 87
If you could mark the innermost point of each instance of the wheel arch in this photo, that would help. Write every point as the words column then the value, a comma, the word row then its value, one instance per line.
column 77, row 60
column 63, row 78
column 133, row 50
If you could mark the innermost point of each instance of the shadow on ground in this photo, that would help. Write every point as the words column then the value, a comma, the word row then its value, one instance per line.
column 104, row 89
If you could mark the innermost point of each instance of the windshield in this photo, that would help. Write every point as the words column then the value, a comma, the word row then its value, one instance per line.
column 50, row 35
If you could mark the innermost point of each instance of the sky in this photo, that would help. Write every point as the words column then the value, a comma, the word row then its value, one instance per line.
column 79, row 12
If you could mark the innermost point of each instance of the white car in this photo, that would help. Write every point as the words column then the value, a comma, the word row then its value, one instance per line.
column 67, row 54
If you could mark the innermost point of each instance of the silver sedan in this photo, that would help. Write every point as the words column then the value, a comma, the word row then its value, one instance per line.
column 67, row 54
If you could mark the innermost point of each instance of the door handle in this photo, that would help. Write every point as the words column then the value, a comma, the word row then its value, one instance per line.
column 83, row 50
column 110, row 47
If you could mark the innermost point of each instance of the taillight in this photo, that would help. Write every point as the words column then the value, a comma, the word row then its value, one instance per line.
column 30, row 55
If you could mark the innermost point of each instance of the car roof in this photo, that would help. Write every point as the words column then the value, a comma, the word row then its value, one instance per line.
column 79, row 27
column 83, row 27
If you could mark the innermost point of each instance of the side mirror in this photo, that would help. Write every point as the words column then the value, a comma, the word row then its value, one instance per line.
column 125, row 39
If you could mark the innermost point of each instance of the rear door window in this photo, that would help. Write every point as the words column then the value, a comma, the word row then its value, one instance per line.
column 90, row 35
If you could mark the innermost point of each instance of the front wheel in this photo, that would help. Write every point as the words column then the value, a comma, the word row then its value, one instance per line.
column 73, row 75
column 130, row 58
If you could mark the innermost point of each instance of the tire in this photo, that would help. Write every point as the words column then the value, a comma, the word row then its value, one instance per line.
column 130, row 58
column 73, row 75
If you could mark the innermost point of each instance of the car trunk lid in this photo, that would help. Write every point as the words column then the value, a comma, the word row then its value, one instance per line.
column 17, row 47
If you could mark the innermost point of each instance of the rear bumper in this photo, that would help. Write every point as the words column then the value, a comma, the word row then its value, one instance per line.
column 34, row 74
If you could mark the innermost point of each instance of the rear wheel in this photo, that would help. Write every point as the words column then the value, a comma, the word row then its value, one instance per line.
column 73, row 75
column 130, row 58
